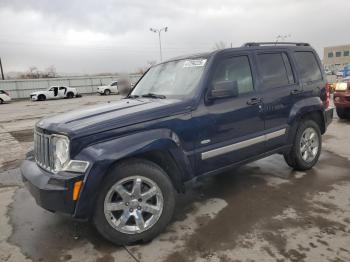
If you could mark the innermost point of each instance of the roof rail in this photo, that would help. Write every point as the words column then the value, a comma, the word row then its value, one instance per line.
column 250, row 44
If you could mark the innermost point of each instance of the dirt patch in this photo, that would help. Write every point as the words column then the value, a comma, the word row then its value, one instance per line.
column 23, row 135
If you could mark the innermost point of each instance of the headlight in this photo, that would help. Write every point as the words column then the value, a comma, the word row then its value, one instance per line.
column 60, row 152
column 61, row 158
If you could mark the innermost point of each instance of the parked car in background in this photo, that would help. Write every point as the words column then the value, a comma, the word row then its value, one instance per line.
column 4, row 97
column 54, row 92
column 112, row 88
column 122, row 86
column 341, row 98
column 120, row 164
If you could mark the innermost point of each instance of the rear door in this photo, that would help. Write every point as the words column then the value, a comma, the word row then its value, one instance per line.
column 279, row 91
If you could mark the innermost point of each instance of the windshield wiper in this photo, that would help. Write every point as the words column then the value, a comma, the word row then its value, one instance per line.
column 152, row 95
column 133, row 96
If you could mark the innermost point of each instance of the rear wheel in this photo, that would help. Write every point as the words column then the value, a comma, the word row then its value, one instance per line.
column 135, row 203
column 107, row 92
column 341, row 112
column 70, row 95
column 307, row 146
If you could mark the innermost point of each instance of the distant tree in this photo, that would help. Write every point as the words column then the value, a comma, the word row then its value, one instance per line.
column 219, row 45
column 51, row 71
column 142, row 70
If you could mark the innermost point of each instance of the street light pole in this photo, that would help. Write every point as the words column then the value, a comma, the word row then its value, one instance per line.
column 154, row 30
column 2, row 71
column 282, row 37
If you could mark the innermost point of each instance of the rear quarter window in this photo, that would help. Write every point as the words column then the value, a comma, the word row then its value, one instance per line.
column 308, row 67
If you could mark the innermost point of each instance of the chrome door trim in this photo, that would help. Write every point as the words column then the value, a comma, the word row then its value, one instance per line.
column 242, row 144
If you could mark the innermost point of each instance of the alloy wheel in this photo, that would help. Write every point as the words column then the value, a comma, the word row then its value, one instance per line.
column 133, row 205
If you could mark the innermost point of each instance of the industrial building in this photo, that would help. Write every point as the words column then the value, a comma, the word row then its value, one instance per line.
column 336, row 57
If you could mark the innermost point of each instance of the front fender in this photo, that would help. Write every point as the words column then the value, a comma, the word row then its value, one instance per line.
column 103, row 155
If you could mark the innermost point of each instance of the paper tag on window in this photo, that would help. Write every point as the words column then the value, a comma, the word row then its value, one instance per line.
column 195, row 63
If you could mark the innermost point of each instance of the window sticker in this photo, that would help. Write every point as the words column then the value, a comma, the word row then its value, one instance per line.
column 195, row 63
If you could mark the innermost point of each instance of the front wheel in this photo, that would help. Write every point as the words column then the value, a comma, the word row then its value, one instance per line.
column 136, row 203
column 107, row 92
column 307, row 146
column 341, row 112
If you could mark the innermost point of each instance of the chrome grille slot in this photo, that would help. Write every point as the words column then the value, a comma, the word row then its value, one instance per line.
column 42, row 150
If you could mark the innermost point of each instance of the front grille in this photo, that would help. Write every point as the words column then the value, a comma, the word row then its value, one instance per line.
column 42, row 149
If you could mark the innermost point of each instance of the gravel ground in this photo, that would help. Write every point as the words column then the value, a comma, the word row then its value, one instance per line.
column 263, row 211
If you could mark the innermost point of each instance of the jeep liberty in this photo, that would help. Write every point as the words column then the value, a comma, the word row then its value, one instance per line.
column 121, row 164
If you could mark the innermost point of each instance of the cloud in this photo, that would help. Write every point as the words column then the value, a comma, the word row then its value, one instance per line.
column 86, row 36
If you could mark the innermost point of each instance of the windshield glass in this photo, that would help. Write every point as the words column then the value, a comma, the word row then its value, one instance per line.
column 174, row 79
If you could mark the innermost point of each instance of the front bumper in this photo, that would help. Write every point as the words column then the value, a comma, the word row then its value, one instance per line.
column 52, row 192
column 341, row 99
column 34, row 97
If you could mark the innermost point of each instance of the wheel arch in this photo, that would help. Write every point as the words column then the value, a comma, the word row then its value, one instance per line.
column 310, row 108
column 161, row 147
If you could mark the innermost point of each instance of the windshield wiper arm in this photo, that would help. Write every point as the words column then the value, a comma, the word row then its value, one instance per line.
column 133, row 96
column 152, row 95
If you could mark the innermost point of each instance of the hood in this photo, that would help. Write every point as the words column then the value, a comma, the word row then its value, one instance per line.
column 111, row 116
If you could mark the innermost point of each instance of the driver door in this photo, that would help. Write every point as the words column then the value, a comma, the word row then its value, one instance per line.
column 230, row 129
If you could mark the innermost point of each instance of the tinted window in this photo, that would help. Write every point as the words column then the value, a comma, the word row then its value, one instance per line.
column 338, row 54
column 235, row 69
column 346, row 53
column 275, row 70
column 114, row 84
column 308, row 66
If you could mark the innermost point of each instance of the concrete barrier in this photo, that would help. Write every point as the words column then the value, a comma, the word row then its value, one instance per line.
column 19, row 89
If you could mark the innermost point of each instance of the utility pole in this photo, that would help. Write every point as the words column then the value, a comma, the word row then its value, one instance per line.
column 282, row 37
column 2, row 71
column 154, row 30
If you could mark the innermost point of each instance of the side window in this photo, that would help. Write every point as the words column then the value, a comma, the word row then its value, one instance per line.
column 114, row 84
column 235, row 69
column 275, row 70
column 308, row 66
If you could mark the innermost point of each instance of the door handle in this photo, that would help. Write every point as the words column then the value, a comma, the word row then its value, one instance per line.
column 295, row 92
column 254, row 101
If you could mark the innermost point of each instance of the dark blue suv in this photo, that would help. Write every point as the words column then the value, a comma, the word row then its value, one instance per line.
column 120, row 164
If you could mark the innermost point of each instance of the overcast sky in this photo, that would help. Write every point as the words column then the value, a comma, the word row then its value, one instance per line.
column 92, row 36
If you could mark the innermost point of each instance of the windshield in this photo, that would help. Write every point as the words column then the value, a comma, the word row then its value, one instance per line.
column 176, row 79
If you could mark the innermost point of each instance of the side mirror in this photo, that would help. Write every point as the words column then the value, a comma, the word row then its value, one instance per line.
column 223, row 89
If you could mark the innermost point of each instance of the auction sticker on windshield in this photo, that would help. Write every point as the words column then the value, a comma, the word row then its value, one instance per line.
column 195, row 63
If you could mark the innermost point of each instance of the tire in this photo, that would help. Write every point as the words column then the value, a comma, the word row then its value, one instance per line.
column 295, row 158
column 41, row 98
column 341, row 112
column 107, row 92
column 70, row 95
column 130, row 170
column 1, row 101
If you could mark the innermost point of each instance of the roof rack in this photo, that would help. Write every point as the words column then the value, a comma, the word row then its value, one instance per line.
column 273, row 43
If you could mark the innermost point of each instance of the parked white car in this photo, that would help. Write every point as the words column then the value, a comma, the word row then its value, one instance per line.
column 54, row 92
column 4, row 97
column 108, row 89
